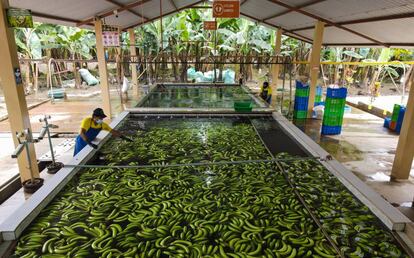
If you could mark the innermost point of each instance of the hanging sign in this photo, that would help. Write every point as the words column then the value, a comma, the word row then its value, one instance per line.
column 226, row 9
column 110, row 36
column 210, row 25
column 19, row 18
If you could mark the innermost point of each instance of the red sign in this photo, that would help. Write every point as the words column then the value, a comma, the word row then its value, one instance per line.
column 210, row 25
column 226, row 9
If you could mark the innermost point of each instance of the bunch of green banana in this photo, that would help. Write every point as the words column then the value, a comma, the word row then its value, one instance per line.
column 245, row 210
column 349, row 223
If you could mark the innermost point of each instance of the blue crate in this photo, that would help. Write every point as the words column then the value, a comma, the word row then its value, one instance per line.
column 300, row 85
column 398, row 128
column 319, row 91
column 339, row 93
column 331, row 130
column 301, row 103
column 387, row 122
column 320, row 103
column 401, row 114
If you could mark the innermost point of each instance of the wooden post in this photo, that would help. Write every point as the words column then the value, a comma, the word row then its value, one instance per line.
column 405, row 149
column 103, row 72
column 14, row 93
column 315, row 63
column 276, row 67
column 133, row 51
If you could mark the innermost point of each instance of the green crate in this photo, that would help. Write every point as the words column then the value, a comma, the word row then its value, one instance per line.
column 243, row 106
column 300, row 114
column 335, row 102
column 302, row 92
column 332, row 120
column 395, row 113
column 318, row 98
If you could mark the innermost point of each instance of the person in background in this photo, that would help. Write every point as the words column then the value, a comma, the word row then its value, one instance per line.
column 240, row 78
column 266, row 92
column 90, row 128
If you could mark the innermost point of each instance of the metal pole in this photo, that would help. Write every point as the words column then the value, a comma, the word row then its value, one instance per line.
column 50, row 141
column 283, row 88
column 290, row 90
column 162, row 37
column 215, row 51
column 27, row 135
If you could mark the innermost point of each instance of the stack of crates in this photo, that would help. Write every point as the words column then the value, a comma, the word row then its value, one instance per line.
column 334, row 111
column 301, row 100
column 394, row 122
column 318, row 96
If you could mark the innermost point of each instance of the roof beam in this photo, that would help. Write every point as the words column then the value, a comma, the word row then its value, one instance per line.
column 173, row 4
column 127, row 9
column 165, row 14
column 372, row 19
column 53, row 17
column 290, row 33
column 278, row 2
column 397, row 44
column 111, row 12
column 242, row 3
column 290, row 10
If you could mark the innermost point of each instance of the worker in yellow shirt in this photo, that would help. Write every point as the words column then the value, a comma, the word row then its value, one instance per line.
column 266, row 92
column 90, row 128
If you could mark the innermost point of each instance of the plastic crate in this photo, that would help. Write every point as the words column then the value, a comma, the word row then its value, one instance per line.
column 395, row 112
column 398, row 128
column 301, row 103
column 302, row 92
column 335, row 102
column 401, row 114
column 301, row 85
column 393, row 125
column 331, row 130
column 339, row 93
column 319, row 103
column 387, row 122
column 332, row 121
column 300, row 114
column 57, row 94
column 319, row 91
column 318, row 98
column 243, row 106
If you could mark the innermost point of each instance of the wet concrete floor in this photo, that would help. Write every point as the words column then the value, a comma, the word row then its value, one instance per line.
column 367, row 149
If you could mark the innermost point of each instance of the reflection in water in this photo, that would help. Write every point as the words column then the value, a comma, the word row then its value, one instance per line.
column 341, row 150
column 197, row 97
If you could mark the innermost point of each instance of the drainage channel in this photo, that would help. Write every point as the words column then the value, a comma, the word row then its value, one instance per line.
column 301, row 199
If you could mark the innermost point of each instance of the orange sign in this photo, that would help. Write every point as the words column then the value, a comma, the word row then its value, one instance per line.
column 226, row 9
column 210, row 25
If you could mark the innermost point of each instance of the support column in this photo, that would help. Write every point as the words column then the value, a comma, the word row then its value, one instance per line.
column 405, row 149
column 133, row 51
column 14, row 93
column 276, row 67
column 315, row 63
column 103, row 71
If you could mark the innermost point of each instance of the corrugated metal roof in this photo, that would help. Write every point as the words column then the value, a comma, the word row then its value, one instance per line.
column 350, row 22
